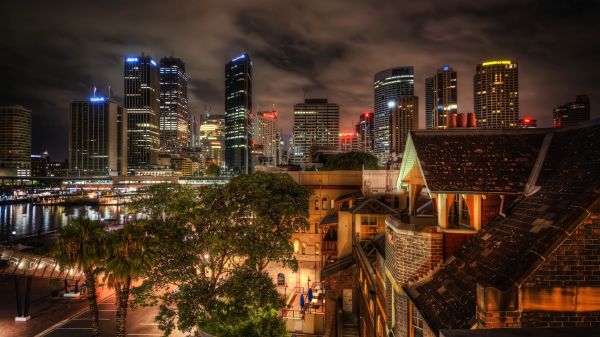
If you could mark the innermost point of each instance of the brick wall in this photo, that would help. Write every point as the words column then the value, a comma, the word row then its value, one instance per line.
column 415, row 253
column 559, row 319
column 498, row 319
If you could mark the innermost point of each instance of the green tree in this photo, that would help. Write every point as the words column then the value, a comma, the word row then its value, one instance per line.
column 129, row 257
column 213, row 170
column 215, row 243
column 82, row 244
column 353, row 161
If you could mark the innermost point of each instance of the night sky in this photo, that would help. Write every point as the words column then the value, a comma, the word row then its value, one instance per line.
column 52, row 52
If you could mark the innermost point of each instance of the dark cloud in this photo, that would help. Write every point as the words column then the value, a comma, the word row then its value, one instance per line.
column 53, row 52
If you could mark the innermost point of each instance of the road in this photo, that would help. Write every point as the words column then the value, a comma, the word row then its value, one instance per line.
column 140, row 322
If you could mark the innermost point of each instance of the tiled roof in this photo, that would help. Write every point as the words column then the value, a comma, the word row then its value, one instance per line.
column 477, row 160
column 506, row 251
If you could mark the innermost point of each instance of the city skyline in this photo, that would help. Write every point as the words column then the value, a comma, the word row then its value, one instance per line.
column 290, row 59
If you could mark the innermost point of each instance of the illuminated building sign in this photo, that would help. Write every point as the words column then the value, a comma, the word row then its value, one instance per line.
column 97, row 99
column 346, row 134
column 445, row 68
column 238, row 58
column 494, row 63
column 132, row 59
column 153, row 63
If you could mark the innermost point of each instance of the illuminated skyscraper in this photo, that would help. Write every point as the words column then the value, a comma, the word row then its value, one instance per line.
column 211, row 140
column 365, row 129
column 97, row 138
column 350, row 142
column 405, row 117
column 572, row 112
column 15, row 141
column 388, row 86
column 174, row 116
column 441, row 98
column 496, row 92
column 238, row 114
column 142, row 101
column 316, row 124
column 266, row 137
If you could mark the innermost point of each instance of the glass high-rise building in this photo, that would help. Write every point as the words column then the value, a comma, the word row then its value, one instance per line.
column 388, row 85
column 97, row 138
column 365, row 129
column 441, row 98
column 15, row 141
column 572, row 112
column 316, row 124
column 238, row 115
column 142, row 101
column 405, row 117
column 174, row 116
column 211, row 135
column 496, row 92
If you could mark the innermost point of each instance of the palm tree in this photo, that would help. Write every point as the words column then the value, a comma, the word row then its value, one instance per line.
column 129, row 257
column 82, row 244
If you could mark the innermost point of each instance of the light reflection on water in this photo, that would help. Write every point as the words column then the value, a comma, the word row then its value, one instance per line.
column 27, row 219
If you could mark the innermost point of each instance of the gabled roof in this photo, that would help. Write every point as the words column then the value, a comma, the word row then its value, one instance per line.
column 492, row 161
column 507, row 250
column 372, row 206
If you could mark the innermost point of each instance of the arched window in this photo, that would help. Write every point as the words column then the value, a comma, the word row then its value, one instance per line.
column 296, row 246
column 280, row 279
column 324, row 204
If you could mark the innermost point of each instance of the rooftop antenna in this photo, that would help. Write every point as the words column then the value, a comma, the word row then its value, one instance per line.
column 109, row 92
column 94, row 92
column 273, row 106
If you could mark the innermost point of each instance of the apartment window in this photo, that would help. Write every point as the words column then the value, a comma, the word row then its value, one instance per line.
column 332, row 204
column 296, row 246
column 324, row 205
column 459, row 213
column 316, row 204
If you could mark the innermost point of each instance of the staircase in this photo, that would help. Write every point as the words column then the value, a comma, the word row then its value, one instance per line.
column 349, row 325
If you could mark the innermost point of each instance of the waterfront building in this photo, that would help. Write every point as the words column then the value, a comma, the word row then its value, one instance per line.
column 496, row 93
column 238, row 115
column 15, row 141
column 142, row 101
column 266, row 137
column 572, row 113
column 174, row 116
column 441, row 98
column 316, row 125
column 388, row 85
column 97, row 138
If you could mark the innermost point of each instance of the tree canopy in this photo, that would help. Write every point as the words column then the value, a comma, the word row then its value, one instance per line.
column 213, row 244
column 354, row 161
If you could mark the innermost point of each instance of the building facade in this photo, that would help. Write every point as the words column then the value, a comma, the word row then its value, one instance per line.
column 142, row 101
column 238, row 115
column 496, row 93
column 211, row 140
column 405, row 118
column 15, row 141
column 366, row 131
column 97, row 138
column 350, row 142
column 388, row 85
column 572, row 113
column 316, row 125
column 441, row 98
column 174, row 116
column 266, row 137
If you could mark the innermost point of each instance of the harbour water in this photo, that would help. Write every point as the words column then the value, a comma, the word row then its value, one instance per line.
column 25, row 219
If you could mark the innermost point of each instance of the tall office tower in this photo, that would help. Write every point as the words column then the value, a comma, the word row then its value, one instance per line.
column 142, row 101
column 97, row 138
column 350, row 142
column 440, row 98
column 496, row 91
column 405, row 117
column 174, row 116
column 265, row 135
column 365, row 129
column 238, row 114
column 211, row 140
column 388, row 85
column 15, row 141
column 572, row 112
column 316, row 123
